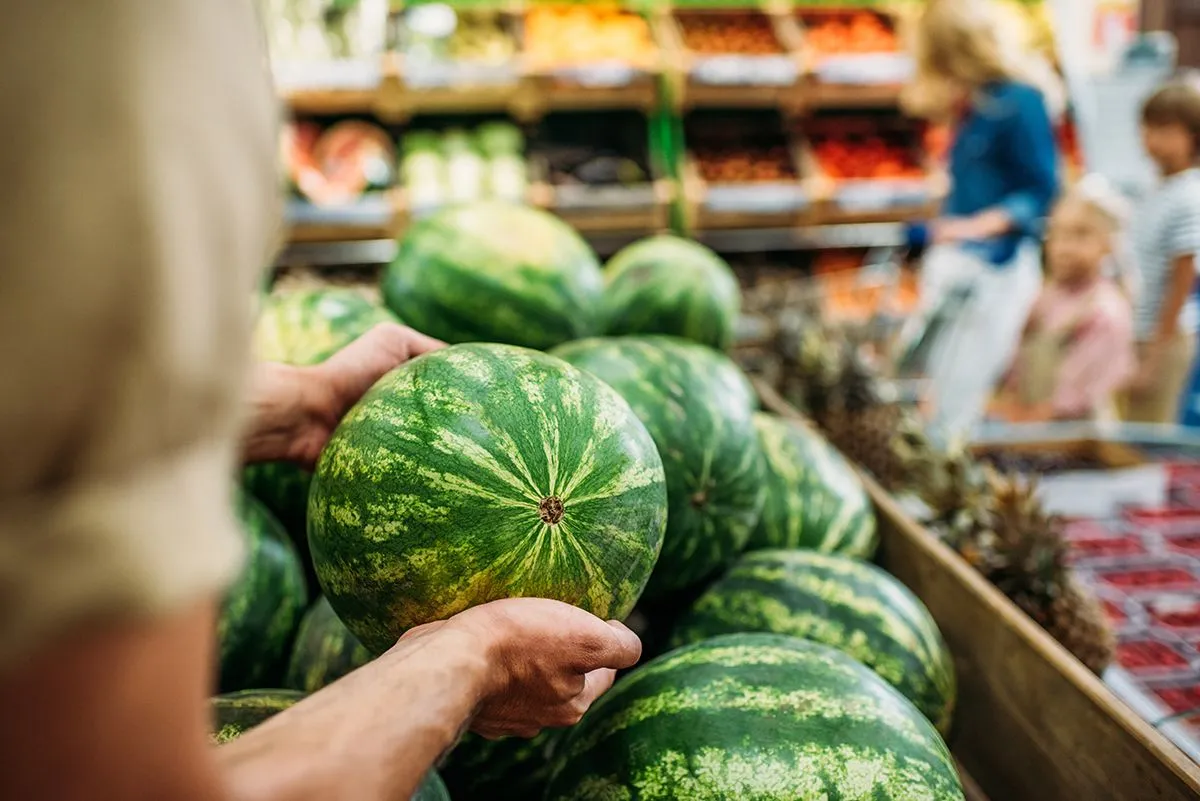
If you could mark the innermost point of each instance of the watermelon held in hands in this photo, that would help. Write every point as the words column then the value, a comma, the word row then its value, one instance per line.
column 840, row 602
column 262, row 609
column 753, row 716
column 814, row 498
column 237, row 713
column 304, row 327
column 698, row 407
column 494, row 272
column 325, row 650
column 668, row 285
column 481, row 472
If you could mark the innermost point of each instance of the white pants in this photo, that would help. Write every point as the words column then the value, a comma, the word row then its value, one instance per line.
column 977, row 346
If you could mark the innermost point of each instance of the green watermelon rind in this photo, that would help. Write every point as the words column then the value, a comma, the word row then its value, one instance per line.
column 429, row 497
column 813, row 497
column 508, row 769
column 495, row 272
column 698, row 408
column 673, row 286
column 761, row 717
column 844, row 603
column 324, row 651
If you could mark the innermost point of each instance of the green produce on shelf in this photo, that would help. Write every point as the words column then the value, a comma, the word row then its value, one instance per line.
column 674, row 286
column 325, row 650
column 459, row 166
column 509, row 769
column 841, row 602
column 754, row 716
column 697, row 405
column 495, row 272
column 814, row 498
column 262, row 609
column 481, row 472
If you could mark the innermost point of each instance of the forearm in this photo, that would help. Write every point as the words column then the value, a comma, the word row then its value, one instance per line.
column 341, row 743
column 1183, row 274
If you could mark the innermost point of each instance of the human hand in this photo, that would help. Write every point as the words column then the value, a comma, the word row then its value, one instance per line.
column 978, row 227
column 1149, row 363
column 297, row 408
column 548, row 661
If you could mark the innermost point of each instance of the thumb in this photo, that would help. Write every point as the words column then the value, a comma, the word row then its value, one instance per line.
column 607, row 645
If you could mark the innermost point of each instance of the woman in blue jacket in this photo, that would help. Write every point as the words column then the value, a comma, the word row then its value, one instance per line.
column 1003, row 167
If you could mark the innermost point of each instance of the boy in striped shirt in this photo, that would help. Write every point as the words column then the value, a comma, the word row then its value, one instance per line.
column 1166, row 239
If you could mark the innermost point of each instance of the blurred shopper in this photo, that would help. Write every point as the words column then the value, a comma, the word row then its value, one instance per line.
column 1166, row 237
column 1003, row 166
column 139, row 203
column 1077, row 347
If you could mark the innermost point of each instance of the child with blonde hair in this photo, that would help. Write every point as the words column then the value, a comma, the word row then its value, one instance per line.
column 1077, row 347
column 973, row 71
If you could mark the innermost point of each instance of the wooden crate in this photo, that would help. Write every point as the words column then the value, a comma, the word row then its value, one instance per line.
column 1032, row 723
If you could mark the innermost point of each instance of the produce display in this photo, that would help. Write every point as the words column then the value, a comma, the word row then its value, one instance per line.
column 510, row 769
column 595, row 151
column 320, row 30
column 719, row 33
column 674, row 286
column 839, row 33
column 336, row 165
column 237, row 712
column 441, row 33
column 262, row 609
column 493, row 272
column 505, row 473
column 697, row 407
column 863, row 149
column 840, row 602
column 587, row 34
column 481, row 36
column 303, row 327
column 324, row 651
column 748, row 148
column 754, row 716
column 460, row 166
column 813, row 497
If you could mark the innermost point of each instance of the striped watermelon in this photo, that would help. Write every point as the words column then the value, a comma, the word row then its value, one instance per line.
column 698, row 408
column 492, row 272
column 669, row 285
column 760, row 717
column 480, row 472
column 262, row 609
column 304, row 327
column 510, row 769
column 843, row 603
column 325, row 650
column 814, row 498
column 237, row 713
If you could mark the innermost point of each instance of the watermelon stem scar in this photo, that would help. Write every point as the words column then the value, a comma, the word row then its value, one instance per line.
column 551, row 510
column 699, row 498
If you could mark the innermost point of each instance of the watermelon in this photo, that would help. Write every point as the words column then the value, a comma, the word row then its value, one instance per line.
column 493, row 272
column 698, row 407
column 262, row 609
column 843, row 603
column 668, row 285
column 325, row 650
column 759, row 717
column 304, row 327
column 509, row 769
column 237, row 713
column 480, row 472
column 814, row 498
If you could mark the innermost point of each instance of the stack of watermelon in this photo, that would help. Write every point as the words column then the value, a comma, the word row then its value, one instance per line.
column 628, row 465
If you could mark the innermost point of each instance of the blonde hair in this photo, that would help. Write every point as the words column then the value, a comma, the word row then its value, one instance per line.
column 965, row 44
column 1114, row 211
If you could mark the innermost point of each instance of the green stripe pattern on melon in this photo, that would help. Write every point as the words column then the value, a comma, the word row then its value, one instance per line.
column 304, row 327
column 493, row 272
column 753, row 717
column 698, row 407
column 840, row 602
column 814, row 498
column 262, row 609
column 325, row 650
column 237, row 713
column 509, row 769
column 480, row 472
column 668, row 285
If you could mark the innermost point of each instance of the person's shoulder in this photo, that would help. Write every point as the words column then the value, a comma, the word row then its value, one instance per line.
column 1016, row 91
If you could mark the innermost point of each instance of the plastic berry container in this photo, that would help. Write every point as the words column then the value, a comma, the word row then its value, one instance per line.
column 1147, row 656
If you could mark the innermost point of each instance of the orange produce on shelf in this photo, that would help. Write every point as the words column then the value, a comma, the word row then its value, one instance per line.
column 714, row 34
column 870, row 157
column 855, row 32
column 560, row 36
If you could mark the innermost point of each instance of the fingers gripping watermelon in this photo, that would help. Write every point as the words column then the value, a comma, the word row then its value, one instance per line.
column 480, row 472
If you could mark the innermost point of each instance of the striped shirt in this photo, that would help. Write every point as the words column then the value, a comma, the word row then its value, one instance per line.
column 1167, row 226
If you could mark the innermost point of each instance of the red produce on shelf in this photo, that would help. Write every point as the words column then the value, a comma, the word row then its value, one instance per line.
column 1184, row 543
column 1114, row 612
column 1101, row 547
column 868, row 157
column 1174, row 612
column 1150, row 578
column 853, row 32
column 1141, row 656
column 1183, row 699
